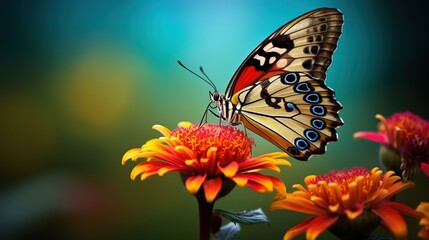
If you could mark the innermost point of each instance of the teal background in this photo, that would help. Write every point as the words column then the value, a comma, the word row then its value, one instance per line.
column 83, row 81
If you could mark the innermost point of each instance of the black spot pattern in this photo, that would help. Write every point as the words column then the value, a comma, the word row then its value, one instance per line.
column 306, row 51
column 311, row 135
column 307, row 64
column 293, row 151
column 289, row 106
column 290, row 78
column 318, row 110
column 272, row 102
column 312, row 98
column 303, row 87
column 301, row 144
column 318, row 123
column 281, row 41
column 314, row 49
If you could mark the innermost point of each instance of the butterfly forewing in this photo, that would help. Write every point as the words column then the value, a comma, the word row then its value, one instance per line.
column 279, row 91
column 305, row 45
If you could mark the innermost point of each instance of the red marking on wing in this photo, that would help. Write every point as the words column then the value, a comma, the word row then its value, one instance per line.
column 272, row 73
column 248, row 76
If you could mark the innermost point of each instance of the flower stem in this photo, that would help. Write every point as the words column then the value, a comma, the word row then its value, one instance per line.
column 205, row 218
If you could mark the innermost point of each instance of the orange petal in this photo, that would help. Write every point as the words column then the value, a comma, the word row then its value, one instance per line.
column 399, row 137
column 309, row 179
column 263, row 162
column 403, row 209
column 392, row 220
column 132, row 154
column 257, row 178
column 184, row 124
column 193, row 163
column 163, row 130
column 395, row 189
column 212, row 188
column 381, row 138
column 275, row 155
column 279, row 185
column 320, row 224
column 299, row 188
column 298, row 229
column 184, row 152
column 256, row 186
column 355, row 213
column 320, row 201
column 212, row 160
column 297, row 204
column 230, row 170
column 384, row 125
column 167, row 169
column 193, row 183
column 145, row 175
column 240, row 180
column 151, row 167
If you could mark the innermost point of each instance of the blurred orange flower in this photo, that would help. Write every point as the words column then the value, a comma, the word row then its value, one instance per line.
column 405, row 143
column 350, row 202
column 211, row 158
column 423, row 208
column 395, row 130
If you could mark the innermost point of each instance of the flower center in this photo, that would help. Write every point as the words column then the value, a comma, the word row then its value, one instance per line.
column 340, row 176
column 343, row 178
column 412, row 124
column 231, row 143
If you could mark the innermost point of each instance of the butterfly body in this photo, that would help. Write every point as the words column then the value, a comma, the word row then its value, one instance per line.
column 279, row 91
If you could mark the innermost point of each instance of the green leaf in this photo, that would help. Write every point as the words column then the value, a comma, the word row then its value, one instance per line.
column 228, row 231
column 244, row 217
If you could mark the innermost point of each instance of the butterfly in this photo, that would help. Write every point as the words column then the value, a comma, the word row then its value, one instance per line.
column 279, row 91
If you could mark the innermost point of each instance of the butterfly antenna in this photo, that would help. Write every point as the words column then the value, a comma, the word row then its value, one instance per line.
column 208, row 81
column 207, row 77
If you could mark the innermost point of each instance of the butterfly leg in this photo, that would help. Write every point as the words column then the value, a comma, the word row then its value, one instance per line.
column 204, row 118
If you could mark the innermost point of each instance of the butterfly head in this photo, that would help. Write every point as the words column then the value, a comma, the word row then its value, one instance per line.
column 215, row 97
column 219, row 100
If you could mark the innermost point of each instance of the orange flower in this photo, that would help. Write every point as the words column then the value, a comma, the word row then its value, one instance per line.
column 395, row 130
column 405, row 143
column 211, row 158
column 424, row 221
column 350, row 202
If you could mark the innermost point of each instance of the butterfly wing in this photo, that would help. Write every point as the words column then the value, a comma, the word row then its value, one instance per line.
column 280, row 87
column 294, row 111
column 304, row 45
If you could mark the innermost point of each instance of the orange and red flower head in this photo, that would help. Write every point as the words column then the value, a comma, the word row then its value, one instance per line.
column 405, row 142
column 211, row 158
column 348, row 202
column 395, row 130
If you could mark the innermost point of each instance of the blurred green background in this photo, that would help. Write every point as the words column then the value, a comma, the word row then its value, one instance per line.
column 83, row 81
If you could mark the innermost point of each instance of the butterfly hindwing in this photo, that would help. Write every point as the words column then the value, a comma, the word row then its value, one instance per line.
column 305, row 45
column 294, row 111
